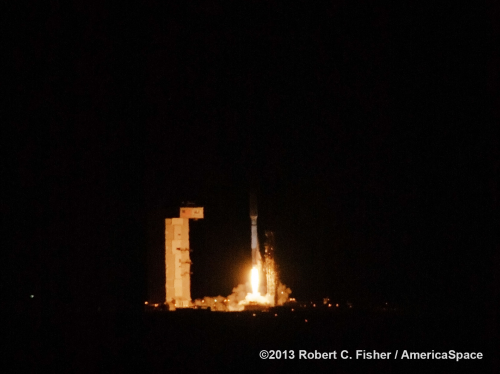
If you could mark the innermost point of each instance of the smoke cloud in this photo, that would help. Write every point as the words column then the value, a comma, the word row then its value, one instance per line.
column 283, row 292
column 240, row 297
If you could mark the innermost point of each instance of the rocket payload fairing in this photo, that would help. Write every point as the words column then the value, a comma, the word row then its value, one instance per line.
column 256, row 258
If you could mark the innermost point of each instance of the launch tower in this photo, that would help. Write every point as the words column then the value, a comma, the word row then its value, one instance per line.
column 177, row 260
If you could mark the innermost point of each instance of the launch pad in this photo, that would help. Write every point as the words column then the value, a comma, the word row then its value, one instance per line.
column 263, row 275
column 253, row 306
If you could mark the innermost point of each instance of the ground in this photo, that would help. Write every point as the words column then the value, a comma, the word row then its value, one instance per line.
column 202, row 341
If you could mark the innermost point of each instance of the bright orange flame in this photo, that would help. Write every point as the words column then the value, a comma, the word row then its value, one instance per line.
column 254, row 279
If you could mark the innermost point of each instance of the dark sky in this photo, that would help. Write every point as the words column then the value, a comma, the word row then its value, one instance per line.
column 366, row 132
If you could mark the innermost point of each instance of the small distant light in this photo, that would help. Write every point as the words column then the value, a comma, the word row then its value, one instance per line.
column 32, row 296
column 254, row 314
column 215, row 300
column 337, row 305
column 306, row 320
column 329, row 305
column 282, row 292
column 146, row 303
column 292, row 310
column 202, row 301
column 314, row 305
column 276, row 315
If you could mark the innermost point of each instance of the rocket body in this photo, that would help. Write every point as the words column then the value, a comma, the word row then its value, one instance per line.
column 255, row 242
column 256, row 259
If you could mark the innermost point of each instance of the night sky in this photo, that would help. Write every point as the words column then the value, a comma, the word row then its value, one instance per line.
column 367, row 133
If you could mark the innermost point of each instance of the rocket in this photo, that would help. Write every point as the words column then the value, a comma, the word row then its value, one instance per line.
column 256, row 259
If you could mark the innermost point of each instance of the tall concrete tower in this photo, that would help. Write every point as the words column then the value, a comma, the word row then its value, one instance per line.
column 177, row 259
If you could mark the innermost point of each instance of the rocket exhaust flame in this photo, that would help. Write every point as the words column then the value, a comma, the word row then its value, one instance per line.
column 243, row 295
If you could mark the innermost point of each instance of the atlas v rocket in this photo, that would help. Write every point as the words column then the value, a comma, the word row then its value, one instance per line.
column 256, row 259
column 269, row 267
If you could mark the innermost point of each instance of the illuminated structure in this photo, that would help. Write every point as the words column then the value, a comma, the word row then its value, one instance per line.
column 177, row 261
